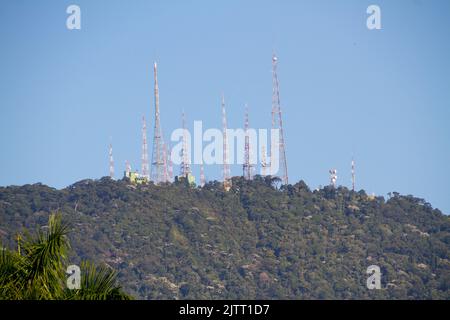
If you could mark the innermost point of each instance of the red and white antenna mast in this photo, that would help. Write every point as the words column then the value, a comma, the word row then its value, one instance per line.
column 247, row 168
column 226, row 166
column 159, row 166
column 144, row 165
column 277, row 123
column 111, row 162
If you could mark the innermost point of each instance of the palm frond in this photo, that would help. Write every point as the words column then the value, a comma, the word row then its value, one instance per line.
column 98, row 283
column 11, row 275
column 45, row 259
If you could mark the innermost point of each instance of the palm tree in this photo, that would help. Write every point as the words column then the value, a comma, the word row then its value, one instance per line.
column 37, row 271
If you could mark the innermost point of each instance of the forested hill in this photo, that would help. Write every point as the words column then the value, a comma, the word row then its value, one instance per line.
column 255, row 241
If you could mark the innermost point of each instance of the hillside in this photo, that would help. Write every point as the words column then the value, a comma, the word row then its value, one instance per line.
column 256, row 241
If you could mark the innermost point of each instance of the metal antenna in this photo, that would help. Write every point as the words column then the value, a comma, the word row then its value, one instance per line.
column 277, row 122
column 226, row 167
column 159, row 166
column 185, row 163
column 247, row 167
column 111, row 162
column 144, row 158
column 353, row 174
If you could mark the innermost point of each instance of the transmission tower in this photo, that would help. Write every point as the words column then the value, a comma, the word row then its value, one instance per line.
column 185, row 169
column 247, row 167
column 226, row 166
column 353, row 174
column 277, row 123
column 111, row 162
column 158, row 171
column 144, row 165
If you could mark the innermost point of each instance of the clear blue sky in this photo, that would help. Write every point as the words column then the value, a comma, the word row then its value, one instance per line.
column 382, row 96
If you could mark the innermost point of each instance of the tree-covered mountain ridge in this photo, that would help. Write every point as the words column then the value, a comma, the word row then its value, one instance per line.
column 256, row 241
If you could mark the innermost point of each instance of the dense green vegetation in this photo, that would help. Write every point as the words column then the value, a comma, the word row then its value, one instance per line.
column 36, row 270
column 256, row 241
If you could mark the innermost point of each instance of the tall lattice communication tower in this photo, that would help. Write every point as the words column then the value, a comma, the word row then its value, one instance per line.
column 277, row 123
column 111, row 162
column 353, row 174
column 185, row 168
column 144, row 158
column 158, row 171
column 247, row 167
column 226, row 166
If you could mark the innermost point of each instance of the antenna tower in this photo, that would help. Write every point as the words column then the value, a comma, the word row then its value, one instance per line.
column 185, row 169
column 277, row 122
column 247, row 168
column 159, row 165
column 144, row 165
column 353, row 175
column 226, row 166
column 111, row 162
